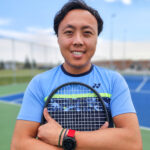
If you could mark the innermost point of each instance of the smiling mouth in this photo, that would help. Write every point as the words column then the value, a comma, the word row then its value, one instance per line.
column 77, row 53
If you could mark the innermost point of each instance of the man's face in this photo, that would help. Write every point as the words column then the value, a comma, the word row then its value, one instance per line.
column 77, row 38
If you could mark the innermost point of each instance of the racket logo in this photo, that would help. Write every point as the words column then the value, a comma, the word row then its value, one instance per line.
column 75, row 105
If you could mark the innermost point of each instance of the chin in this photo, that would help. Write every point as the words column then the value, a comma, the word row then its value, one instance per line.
column 79, row 65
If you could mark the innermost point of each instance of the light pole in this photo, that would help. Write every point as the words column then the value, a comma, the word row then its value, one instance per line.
column 32, row 58
column 111, row 39
column 124, row 50
column 13, row 60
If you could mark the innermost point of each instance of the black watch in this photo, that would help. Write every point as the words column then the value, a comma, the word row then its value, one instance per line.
column 69, row 142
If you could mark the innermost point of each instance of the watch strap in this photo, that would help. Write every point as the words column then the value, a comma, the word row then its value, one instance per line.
column 71, row 133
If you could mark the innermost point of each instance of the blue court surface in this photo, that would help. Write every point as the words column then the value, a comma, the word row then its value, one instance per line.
column 14, row 98
column 140, row 92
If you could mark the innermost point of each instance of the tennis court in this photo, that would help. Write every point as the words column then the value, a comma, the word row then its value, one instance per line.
column 11, row 99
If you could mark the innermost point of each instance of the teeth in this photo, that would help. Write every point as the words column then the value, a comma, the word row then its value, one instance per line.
column 77, row 53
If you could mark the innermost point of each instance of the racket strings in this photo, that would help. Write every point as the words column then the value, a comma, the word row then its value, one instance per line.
column 72, row 108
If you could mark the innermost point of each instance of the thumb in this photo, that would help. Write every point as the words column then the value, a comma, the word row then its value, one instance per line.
column 46, row 115
column 105, row 125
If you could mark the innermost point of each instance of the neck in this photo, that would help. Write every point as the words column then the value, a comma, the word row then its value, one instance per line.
column 77, row 70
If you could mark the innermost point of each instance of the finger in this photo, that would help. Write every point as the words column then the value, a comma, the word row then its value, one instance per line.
column 105, row 125
column 46, row 115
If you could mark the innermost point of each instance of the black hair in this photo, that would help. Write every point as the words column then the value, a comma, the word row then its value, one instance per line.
column 76, row 4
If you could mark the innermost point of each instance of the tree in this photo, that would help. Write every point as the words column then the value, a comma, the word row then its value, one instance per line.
column 34, row 64
column 27, row 63
column 2, row 65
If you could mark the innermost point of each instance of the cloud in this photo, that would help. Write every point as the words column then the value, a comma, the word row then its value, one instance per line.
column 14, row 34
column 32, row 34
column 110, row 1
column 4, row 22
column 92, row 0
column 39, row 30
column 43, row 35
column 126, row 2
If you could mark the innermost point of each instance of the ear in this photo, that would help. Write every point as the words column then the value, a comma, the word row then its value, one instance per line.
column 58, row 40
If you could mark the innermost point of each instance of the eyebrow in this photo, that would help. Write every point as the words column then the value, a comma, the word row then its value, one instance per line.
column 87, row 27
column 72, row 27
column 69, row 26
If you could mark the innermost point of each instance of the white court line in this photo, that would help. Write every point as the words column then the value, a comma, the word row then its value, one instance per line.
column 144, row 128
column 142, row 84
column 16, row 100
column 10, row 103
column 143, row 91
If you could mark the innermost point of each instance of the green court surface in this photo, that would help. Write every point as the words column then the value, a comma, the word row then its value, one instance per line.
column 8, row 114
column 13, row 88
column 146, row 139
column 17, row 76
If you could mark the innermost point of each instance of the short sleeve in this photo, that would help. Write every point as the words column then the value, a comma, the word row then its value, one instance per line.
column 121, row 101
column 33, row 102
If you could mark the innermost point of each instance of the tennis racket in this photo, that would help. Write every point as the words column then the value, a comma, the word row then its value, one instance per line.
column 76, row 106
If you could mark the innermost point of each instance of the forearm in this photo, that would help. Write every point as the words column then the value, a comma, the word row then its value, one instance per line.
column 108, row 139
column 31, row 144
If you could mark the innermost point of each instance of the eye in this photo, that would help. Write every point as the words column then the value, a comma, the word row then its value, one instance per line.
column 68, row 32
column 87, row 33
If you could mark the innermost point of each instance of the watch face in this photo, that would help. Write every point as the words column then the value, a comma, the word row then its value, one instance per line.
column 69, row 143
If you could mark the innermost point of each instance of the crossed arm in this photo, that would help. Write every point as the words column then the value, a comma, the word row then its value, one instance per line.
column 125, row 135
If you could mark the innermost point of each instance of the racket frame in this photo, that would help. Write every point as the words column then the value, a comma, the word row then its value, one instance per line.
column 78, row 83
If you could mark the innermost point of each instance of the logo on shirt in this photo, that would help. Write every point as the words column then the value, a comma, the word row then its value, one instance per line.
column 96, row 85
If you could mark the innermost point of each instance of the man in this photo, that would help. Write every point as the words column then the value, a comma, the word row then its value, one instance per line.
column 77, row 27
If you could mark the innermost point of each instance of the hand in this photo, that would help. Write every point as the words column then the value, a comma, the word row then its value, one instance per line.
column 49, row 132
column 105, row 125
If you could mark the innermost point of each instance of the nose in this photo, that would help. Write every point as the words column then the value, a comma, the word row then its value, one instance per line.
column 78, row 40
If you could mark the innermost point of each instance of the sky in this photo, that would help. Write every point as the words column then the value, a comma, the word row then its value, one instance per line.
column 32, row 20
